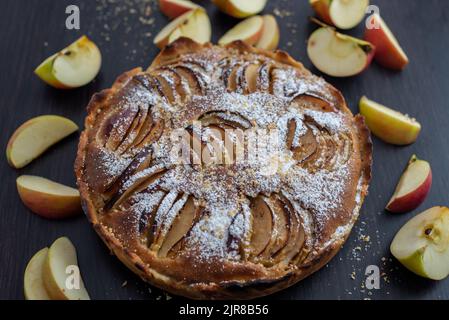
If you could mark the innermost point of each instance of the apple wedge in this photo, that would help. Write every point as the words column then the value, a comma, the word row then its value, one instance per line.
column 174, row 8
column 194, row 24
column 344, row 14
column 72, row 67
column 34, row 287
column 269, row 39
column 413, row 187
column 35, row 136
column 422, row 244
column 389, row 53
column 389, row 125
column 48, row 199
column 240, row 8
column 338, row 55
column 62, row 254
column 248, row 30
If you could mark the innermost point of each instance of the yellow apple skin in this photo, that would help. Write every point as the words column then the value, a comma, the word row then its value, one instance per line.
column 321, row 8
column 49, row 205
column 51, row 271
column 231, row 8
column 48, row 122
column 390, row 126
column 33, row 284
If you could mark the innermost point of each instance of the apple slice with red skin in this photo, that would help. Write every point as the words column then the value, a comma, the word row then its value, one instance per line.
column 344, row 14
column 338, row 55
column 175, row 8
column 48, row 199
column 249, row 31
column 413, row 187
column 389, row 53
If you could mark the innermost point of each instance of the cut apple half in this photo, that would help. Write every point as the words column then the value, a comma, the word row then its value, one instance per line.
column 33, row 283
column 389, row 52
column 389, row 125
column 35, row 136
column 194, row 24
column 344, row 14
column 61, row 272
column 176, row 8
column 413, row 187
column 338, row 55
column 249, row 31
column 73, row 67
column 269, row 39
column 422, row 244
column 47, row 198
column 240, row 8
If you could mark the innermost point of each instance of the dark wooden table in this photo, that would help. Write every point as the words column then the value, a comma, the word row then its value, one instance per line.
column 31, row 30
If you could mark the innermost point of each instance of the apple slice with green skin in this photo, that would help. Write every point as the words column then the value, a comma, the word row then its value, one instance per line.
column 176, row 8
column 389, row 125
column 248, row 30
column 344, row 14
column 73, row 67
column 413, row 187
column 35, row 136
column 33, row 283
column 269, row 39
column 389, row 52
column 338, row 55
column 48, row 199
column 61, row 255
column 240, row 8
column 422, row 244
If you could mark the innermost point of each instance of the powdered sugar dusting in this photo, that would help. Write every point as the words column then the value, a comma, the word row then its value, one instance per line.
column 225, row 191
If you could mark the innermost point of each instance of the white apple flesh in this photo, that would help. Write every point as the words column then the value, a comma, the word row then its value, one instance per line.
column 344, row 14
column 240, row 8
column 249, row 31
column 62, row 254
column 33, row 284
column 269, row 39
column 413, row 187
column 194, row 24
column 422, row 244
column 35, row 136
column 338, row 55
column 73, row 67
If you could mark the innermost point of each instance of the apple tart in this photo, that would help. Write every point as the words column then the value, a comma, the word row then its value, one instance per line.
column 207, row 229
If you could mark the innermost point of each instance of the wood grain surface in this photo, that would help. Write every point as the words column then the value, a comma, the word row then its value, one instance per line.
column 31, row 30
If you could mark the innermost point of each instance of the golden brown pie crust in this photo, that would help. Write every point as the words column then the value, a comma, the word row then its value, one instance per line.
column 231, row 233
